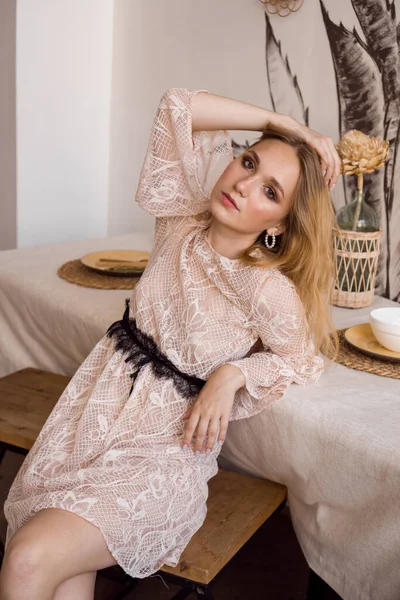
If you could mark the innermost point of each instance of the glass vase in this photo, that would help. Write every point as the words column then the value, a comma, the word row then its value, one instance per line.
column 358, row 216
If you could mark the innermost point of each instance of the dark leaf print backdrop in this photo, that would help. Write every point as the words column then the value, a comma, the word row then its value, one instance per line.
column 367, row 73
column 285, row 98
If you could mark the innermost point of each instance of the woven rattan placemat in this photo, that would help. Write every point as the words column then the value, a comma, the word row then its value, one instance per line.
column 75, row 272
column 352, row 358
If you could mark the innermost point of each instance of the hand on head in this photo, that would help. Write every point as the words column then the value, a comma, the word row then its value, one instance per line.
column 324, row 146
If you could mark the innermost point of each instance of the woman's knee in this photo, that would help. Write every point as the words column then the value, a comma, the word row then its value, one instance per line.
column 57, row 545
column 25, row 558
column 32, row 556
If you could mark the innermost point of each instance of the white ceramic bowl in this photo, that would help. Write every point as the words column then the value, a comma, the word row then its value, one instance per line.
column 385, row 324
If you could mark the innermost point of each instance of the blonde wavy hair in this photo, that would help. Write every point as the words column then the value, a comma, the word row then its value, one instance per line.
column 304, row 252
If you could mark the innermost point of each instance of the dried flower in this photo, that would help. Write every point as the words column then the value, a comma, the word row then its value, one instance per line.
column 361, row 153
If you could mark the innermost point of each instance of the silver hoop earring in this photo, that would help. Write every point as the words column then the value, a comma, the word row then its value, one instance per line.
column 267, row 245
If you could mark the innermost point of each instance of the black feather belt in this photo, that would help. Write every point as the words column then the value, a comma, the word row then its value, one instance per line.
column 141, row 349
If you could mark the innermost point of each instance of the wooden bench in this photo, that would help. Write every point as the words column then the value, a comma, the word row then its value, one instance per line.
column 26, row 399
column 237, row 506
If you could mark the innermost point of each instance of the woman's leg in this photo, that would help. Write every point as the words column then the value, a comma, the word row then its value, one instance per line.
column 53, row 546
column 80, row 587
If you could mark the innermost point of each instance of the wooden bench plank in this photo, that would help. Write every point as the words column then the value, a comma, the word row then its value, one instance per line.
column 26, row 399
column 237, row 506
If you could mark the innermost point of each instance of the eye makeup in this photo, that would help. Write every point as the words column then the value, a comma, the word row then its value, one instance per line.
column 248, row 158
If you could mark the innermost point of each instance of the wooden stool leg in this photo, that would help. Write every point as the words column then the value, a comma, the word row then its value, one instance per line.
column 182, row 594
column 2, row 451
column 203, row 592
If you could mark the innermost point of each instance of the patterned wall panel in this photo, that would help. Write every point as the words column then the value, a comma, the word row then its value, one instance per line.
column 366, row 69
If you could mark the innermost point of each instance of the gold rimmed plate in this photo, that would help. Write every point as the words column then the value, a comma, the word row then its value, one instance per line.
column 362, row 338
column 117, row 262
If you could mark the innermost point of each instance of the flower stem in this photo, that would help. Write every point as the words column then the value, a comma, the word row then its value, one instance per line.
column 360, row 182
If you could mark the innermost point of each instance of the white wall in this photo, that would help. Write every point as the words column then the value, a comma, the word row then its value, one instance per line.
column 218, row 46
column 64, row 52
column 90, row 74
column 89, row 82
column 8, row 175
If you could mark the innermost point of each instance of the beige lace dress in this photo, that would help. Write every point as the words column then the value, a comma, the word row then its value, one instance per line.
column 112, row 453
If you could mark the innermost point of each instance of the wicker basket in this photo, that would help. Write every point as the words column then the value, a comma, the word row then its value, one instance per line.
column 356, row 257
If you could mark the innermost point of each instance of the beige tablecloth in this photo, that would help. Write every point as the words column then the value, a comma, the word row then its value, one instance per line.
column 46, row 322
column 336, row 445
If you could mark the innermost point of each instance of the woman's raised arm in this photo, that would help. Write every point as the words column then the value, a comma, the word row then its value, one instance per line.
column 212, row 113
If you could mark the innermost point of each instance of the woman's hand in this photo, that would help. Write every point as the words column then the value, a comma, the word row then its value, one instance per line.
column 324, row 146
column 212, row 408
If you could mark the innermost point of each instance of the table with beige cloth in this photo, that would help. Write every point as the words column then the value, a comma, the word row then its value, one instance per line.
column 47, row 322
column 335, row 445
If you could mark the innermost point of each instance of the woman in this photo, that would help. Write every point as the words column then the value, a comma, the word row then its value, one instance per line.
column 231, row 309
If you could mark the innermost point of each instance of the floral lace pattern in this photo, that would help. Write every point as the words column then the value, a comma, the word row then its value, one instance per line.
column 111, row 454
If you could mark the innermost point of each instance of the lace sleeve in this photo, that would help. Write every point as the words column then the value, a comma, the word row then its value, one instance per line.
column 180, row 168
column 288, row 353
